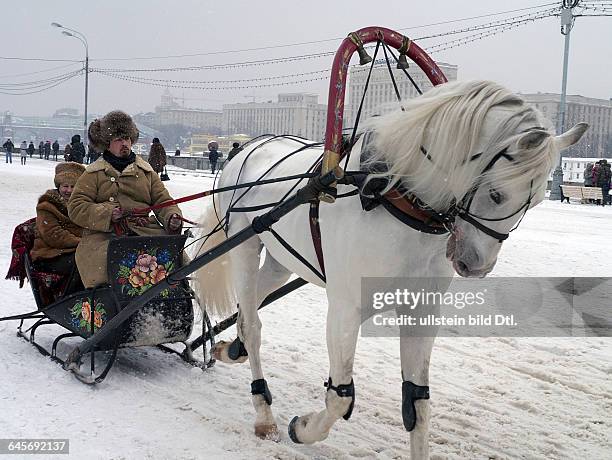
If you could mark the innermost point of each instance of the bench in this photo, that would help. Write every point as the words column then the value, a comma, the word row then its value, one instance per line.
column 584, row 194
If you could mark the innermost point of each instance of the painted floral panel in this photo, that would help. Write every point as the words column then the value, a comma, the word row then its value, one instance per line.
column 82, row 311
column 140, row 270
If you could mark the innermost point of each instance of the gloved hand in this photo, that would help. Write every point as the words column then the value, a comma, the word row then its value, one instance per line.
column 117, row 215
column 175, row 223
column 141, row 221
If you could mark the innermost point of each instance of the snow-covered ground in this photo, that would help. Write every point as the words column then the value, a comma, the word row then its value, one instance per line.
column 491, row 398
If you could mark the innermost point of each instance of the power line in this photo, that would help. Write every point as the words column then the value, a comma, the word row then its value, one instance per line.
column 545, row 13
column 214, row 88
column 12, row 58
column 224, row 66
column 288, row 45
column 40, row 90
column 285, row 59
column 38, row 83
column 261, row 62
column 203, row 82
column 479, row 36
column 39, row 71
column 202, row 85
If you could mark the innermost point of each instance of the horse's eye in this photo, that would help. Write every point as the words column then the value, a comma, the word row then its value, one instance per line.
column 496, row 196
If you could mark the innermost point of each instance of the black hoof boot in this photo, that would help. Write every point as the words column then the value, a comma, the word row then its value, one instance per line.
column 410, row 393
column 260, row 387
column 291, row 430
column 236, row 350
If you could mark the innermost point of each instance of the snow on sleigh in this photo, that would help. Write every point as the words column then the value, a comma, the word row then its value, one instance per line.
column 135, row 264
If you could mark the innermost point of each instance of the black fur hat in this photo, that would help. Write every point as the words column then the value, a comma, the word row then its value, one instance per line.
column 111, row 126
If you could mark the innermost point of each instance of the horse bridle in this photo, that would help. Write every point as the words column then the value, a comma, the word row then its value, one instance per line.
column 462, row 209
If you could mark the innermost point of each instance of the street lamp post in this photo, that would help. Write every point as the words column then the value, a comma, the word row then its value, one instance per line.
column 79, row 36
column 567, row 22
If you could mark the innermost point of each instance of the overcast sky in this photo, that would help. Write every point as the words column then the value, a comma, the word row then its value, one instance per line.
column 526, row 59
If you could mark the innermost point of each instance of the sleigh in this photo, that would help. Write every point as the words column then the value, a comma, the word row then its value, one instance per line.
column 165, row 321
column 168, row 318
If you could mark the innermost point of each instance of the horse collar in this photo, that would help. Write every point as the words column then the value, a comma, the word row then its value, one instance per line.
column 404, row 206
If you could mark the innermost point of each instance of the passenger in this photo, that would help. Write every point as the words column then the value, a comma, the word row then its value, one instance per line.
column 56, row 237
column 117, row 183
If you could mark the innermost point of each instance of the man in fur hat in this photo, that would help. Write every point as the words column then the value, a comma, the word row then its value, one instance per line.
column 109, row 189
column 56, row 237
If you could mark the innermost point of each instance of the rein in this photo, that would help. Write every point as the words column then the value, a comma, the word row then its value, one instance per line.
column 403, row 206
column 195, row 196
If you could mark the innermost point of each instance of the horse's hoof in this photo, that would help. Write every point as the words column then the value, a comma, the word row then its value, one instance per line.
column 219, row 352
column 268, row 432
column 291, row 430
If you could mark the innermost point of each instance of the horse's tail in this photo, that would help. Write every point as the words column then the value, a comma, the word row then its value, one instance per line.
column 213, row 282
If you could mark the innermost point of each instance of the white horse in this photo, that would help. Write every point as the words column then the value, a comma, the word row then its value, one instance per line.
column 488, row 153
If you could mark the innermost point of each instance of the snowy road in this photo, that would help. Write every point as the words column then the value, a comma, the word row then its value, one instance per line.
column 491, row 398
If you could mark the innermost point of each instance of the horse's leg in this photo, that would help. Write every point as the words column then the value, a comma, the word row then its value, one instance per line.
column 245, row 268
column 343, row 320
column 415, row 353
column 272, row 275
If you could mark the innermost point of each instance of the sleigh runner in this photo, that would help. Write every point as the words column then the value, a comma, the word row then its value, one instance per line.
column 454, row 174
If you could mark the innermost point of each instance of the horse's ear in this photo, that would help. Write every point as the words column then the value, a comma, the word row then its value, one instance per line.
column 572, row 136
column 532, row 139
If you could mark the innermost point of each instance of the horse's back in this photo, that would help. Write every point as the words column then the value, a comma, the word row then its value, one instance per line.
column 267, row 159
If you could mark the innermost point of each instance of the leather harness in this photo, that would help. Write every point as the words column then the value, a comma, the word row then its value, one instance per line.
column 408, row 208
column 405, row 207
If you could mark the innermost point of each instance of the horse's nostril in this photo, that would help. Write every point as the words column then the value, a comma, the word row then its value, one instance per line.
column 462, row 266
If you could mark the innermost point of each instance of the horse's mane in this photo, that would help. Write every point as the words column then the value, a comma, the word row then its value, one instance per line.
column 453, row 122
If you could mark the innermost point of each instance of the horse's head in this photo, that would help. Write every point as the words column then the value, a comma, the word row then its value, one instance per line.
column 488, row 156
column 511, row 177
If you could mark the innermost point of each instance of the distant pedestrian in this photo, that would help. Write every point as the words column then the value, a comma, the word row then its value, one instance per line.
column 602, row 175
column 588, row 175
column 31, row 149
column 8, row 147
column 47, row 150
column 41, row 149
column 55, row 147
column 177, row 153
column 23, row 151
column 235, row 150
column 213, row 155
column 68, row 153
column 157, row 156
column 78, row 149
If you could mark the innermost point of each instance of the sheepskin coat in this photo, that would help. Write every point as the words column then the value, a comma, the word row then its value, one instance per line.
column 55, row 233
column 97, row 192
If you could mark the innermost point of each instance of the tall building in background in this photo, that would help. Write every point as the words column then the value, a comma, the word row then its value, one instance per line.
column 170, row 112
column 381, row 97
column 597, row 141
column 294, row 113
